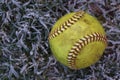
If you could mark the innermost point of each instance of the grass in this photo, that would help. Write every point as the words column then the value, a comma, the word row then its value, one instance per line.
column 24, row 50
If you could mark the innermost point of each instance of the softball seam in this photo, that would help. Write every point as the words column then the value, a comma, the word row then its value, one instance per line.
column 67, row 24
column 76, row 48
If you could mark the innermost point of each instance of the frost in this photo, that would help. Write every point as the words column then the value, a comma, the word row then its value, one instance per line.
column 24, row 49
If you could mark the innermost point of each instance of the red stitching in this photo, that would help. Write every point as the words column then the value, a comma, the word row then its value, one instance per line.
column 80, row 44
column 67, row 24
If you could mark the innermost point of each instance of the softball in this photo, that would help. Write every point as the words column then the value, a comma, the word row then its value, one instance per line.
column 77, row 40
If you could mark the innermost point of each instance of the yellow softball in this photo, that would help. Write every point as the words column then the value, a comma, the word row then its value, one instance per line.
column 77, row 40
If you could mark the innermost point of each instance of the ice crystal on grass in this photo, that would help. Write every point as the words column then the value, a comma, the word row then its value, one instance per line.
column 24, row 48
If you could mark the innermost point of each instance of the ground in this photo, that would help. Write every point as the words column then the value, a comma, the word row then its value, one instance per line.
column 24, row 49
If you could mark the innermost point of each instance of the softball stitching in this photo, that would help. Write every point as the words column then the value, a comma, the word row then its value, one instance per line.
column 76, row 48
column 67, row 24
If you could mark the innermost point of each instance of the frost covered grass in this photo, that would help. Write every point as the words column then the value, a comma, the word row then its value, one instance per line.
column 24, row 48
